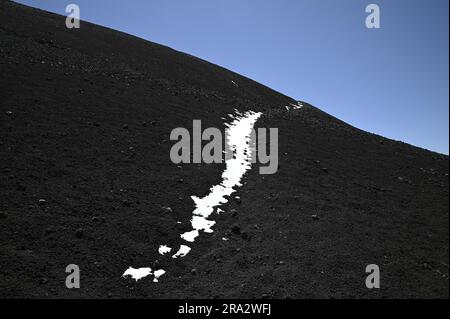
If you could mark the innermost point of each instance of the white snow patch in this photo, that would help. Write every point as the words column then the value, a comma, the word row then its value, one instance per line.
column 190, row 235
column 183, row 251
column 297, row 106
column 163, row 249
column 238, row 140
column 157, row 274
column 137, row 274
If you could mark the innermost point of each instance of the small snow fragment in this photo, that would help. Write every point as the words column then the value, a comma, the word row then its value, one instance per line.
column 137, row 274
column 183, row 251
column 163, row 249
column 297, row 106
column 157, row 274
column 190, row 235
column 198, row 223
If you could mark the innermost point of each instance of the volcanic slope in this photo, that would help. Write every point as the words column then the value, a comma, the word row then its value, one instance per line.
column 85, row 174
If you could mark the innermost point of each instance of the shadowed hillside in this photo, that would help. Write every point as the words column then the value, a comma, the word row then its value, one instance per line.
column 85, row 174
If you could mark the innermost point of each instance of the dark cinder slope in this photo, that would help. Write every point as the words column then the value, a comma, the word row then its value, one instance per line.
column 85, row 118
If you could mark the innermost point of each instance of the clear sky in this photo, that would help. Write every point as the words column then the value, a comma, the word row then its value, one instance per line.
column 392, row 81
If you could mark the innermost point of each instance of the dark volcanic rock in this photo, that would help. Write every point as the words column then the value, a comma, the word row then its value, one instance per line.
column 79, row 233
column 236, row 229
column 102, row 76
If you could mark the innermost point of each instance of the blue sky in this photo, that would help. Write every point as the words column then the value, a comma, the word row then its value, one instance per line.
column 392, row 81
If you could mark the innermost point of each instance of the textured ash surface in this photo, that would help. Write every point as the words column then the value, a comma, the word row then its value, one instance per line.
column 85, row 118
